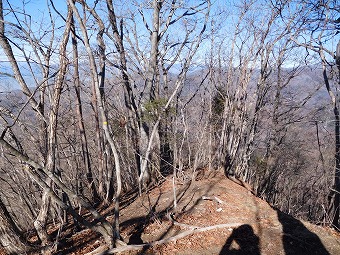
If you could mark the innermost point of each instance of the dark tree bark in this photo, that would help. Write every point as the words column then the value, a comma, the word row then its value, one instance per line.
column 336, row 201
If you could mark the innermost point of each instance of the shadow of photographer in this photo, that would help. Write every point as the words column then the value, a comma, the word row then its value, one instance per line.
column 297, row 239
column 242, row 241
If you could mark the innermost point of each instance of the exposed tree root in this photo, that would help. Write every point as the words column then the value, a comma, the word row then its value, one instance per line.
column 165, row 240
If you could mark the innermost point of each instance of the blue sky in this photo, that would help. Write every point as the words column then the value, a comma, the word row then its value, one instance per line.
column 36, row 11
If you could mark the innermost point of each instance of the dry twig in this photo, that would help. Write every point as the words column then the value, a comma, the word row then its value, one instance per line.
column 171, row 239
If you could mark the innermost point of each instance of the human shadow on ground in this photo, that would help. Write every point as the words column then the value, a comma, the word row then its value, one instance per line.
column 297, row 239
column 244, row 239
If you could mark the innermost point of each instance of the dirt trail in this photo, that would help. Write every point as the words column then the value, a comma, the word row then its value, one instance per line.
column 216, row 215
column 256, row 228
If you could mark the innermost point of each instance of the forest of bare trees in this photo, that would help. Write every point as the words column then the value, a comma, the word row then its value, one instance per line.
column 99, row 98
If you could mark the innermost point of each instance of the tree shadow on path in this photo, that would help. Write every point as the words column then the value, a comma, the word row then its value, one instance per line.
column 242, row 241
column 297, row 239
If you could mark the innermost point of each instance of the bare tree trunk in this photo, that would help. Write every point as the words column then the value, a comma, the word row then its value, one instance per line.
column 36, row 171
column 166, row 154
column 151, row 89
column 81, row 126
column 133, row 119
column 100, row 145
column 230, row 133
column 336, row 201
column 109, row 178
column 11, row 237
column 15, row 67
column 40, row 223
column 334, row 197
column 98, row 87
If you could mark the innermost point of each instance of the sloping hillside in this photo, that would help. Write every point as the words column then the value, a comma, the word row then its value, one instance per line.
column 214, row 215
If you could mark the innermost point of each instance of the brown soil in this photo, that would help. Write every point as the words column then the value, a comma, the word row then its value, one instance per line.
column 254, row 226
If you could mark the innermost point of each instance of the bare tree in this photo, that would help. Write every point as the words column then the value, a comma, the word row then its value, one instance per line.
column 11, row 237
column 48, row 180
column 79, row 110
column 319, row 23
column 152, row 68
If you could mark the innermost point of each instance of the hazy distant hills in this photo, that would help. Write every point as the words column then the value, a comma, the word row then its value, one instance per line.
column 8, row 83
column 301, row 86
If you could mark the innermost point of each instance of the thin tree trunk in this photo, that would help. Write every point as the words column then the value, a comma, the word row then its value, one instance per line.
column 40, row 223
column 11, row 237
column 81, row 126
column 335, row 195
column 151, row 87
column 98, row 85
column 35, row 171
column 336, row 203
column 129, row 96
